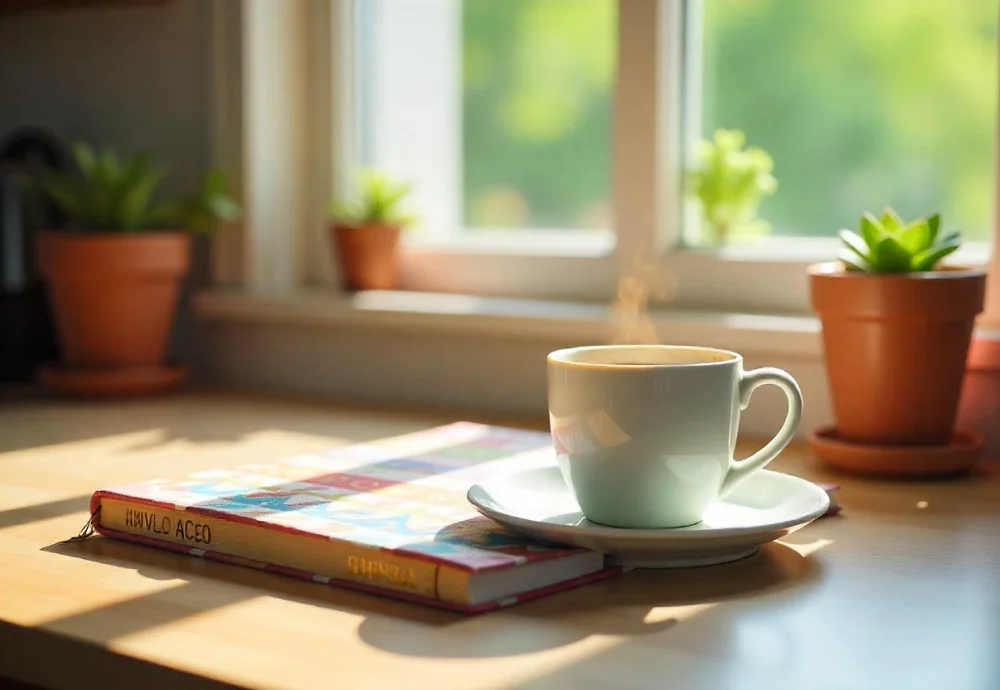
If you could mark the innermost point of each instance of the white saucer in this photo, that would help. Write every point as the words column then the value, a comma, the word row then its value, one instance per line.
column 766, row 506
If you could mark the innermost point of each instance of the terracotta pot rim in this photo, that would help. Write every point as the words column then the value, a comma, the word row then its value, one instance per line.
column 957, row 455
column 835, row 270
column 960, row 438
column 106, row 257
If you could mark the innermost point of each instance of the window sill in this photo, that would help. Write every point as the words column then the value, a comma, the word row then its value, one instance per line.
column 510, row 319
column 770, row 276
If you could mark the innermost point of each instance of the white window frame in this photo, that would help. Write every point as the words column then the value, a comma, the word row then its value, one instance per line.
column 286, row 120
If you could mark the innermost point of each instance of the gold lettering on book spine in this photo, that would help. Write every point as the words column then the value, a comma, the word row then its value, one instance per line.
column 375, row 570
column 337, row 559
column 152, row 523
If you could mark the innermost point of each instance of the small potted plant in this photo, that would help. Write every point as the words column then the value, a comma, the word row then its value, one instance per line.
column 730, row 182
column 896, row 332
column 114, row 273
column 366, row 230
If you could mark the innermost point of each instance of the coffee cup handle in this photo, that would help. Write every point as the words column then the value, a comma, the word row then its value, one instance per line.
column 741, row 469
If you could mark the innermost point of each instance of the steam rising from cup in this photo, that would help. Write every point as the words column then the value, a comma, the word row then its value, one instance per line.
column 642, row 281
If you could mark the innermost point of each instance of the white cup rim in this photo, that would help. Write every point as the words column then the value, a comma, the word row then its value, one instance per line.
column 567, row 357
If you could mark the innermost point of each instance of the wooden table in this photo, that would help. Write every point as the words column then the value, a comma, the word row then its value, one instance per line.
column 901, row 591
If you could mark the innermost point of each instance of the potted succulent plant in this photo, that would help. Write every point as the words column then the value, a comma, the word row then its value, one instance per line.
column 896, row 333
column 366, row 230
column 730, row 182
column 114, row 273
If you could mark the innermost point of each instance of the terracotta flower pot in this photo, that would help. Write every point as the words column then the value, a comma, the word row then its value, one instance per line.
column 113, row 295
column 896, row 347
column 368, row 256
column 980, row 406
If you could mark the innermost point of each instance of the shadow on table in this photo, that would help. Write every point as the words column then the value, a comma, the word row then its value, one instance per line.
column 45, row 511
column 620, row 606
column 637, row 604
column 204, row 586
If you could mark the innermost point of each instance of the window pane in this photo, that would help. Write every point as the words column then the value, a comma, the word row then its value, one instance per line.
column 861, row 104
column 536, row 112
column 498, row 111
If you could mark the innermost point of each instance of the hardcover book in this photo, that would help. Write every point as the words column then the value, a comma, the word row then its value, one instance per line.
column 389, row 517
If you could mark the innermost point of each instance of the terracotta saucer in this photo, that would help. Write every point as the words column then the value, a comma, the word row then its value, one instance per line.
column 112, row 383
column 897, row 461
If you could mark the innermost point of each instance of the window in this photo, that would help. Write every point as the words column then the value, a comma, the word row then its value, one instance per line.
column 860, row 104
column 537, row 83
column 498, row 112
column 548, row 140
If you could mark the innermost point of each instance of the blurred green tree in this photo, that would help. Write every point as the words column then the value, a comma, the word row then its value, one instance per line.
column 861, row 103
column 538, row 78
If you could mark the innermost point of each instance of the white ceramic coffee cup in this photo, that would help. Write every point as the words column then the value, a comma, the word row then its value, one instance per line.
column 645, row 435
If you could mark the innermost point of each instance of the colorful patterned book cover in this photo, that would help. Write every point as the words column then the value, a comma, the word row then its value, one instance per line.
column 389, row 517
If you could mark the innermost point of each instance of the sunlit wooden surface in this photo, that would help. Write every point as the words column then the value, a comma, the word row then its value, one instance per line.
column 901, row 591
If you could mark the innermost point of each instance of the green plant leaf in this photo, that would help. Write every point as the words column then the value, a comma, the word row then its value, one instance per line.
column 223, row 207
column 852, row 261
column 213, row 204
column 871, row 230
column 132, row 209
column 730, row 182
column 377, row 201
column 117, row 195
column 895, row 246
column 853, row 242
column 934, row 223
column 928, row 259
column 891, row 221
column 890, row 256
column 916, row 236
column 86, row 160
column 103, row 191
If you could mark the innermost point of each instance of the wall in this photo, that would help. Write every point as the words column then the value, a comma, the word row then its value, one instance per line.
column 132, row 78
column 399, row 365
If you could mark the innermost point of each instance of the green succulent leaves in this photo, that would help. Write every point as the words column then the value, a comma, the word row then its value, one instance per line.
column 377, row 201
column 731, row 181
column 110, row 194
column 890, row 245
